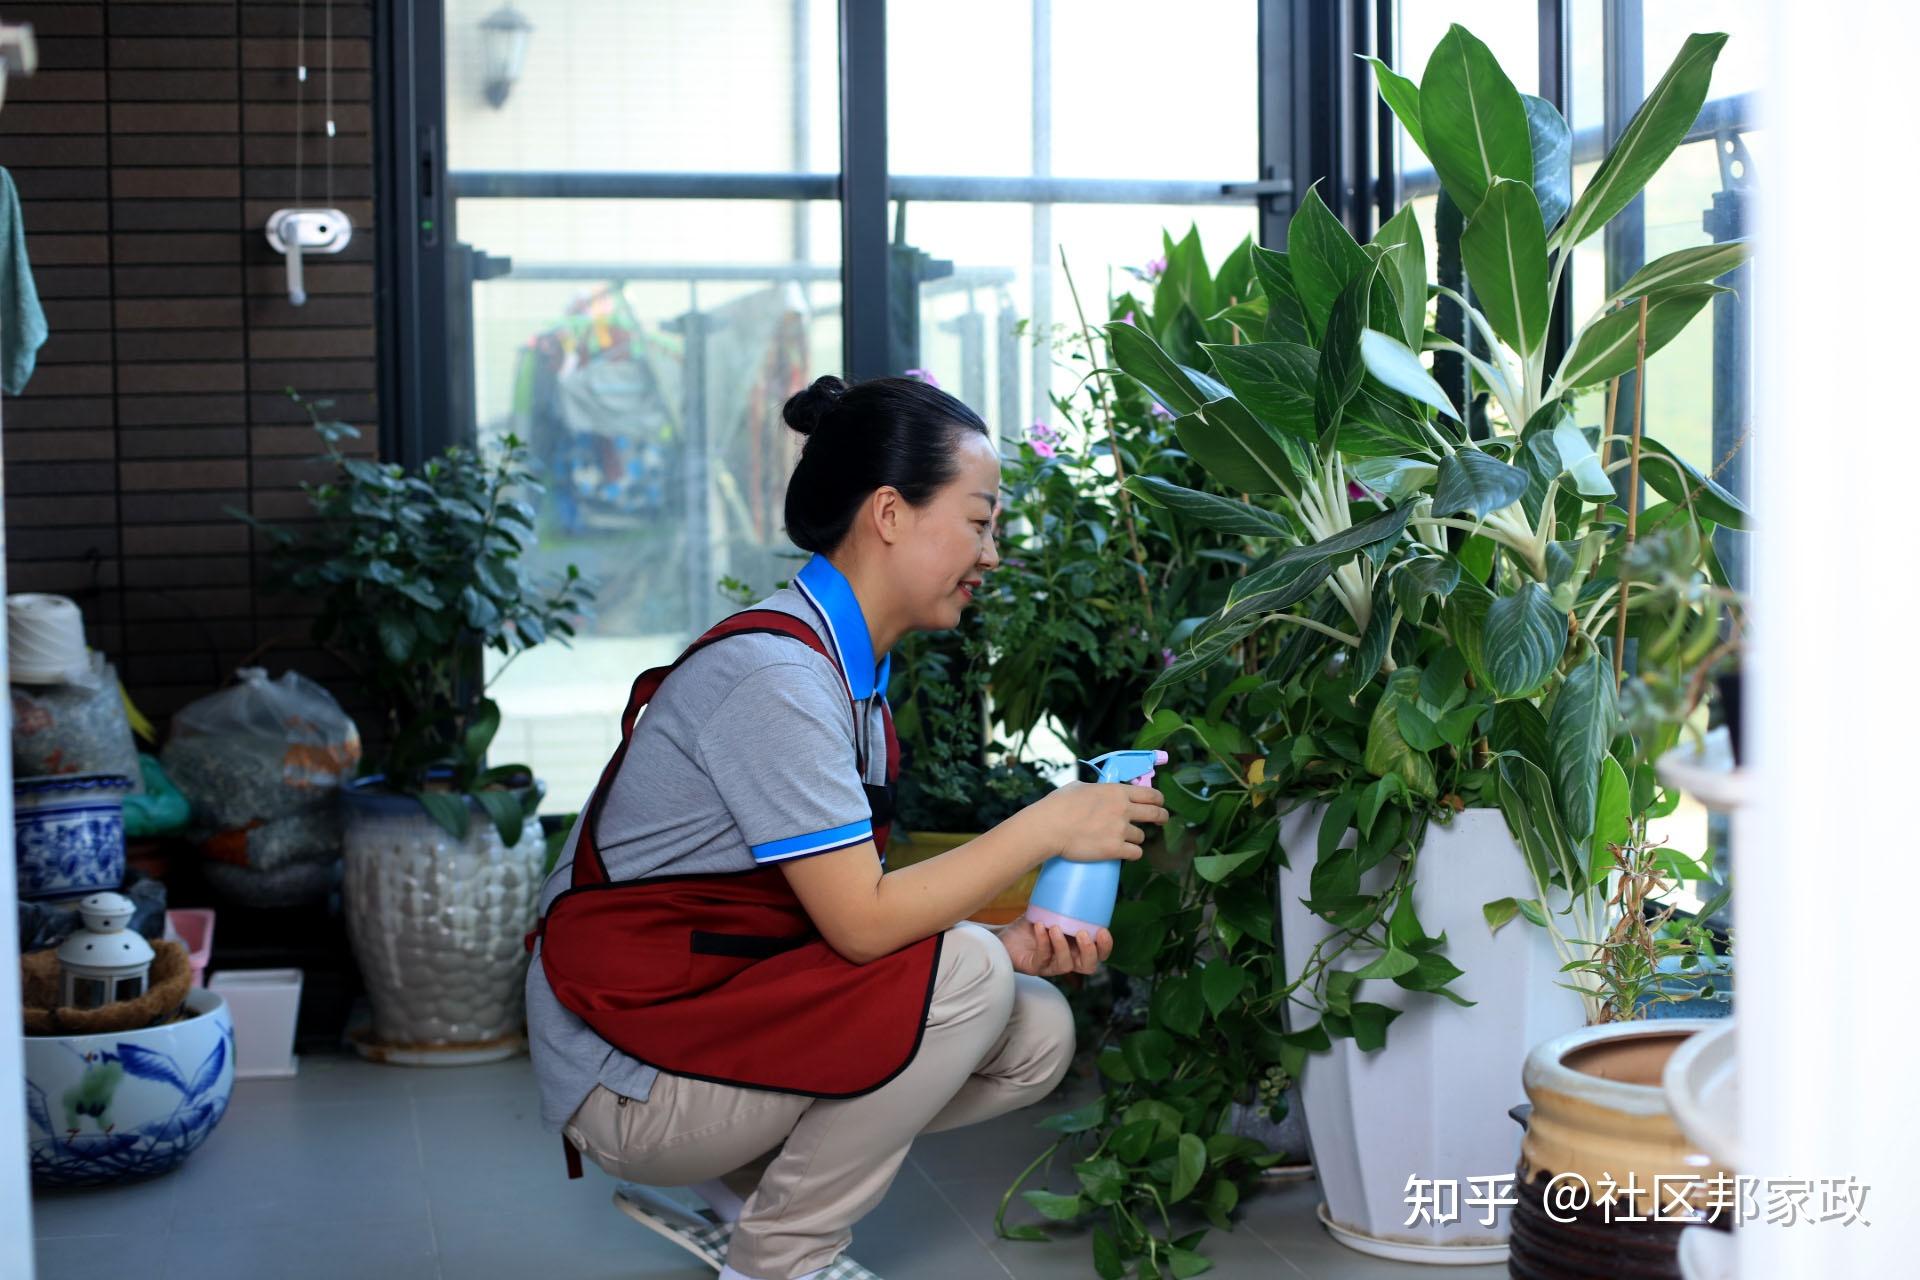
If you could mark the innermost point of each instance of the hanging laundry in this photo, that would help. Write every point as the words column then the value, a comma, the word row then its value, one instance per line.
column 23, row 325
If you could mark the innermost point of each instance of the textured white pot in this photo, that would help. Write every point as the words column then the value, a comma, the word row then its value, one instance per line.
column 438, row 925
column 1433, row 1103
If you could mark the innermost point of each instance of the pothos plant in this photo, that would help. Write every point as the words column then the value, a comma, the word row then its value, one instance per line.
column 416, row 573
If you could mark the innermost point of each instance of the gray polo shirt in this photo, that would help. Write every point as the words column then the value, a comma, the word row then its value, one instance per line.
column 746, row 756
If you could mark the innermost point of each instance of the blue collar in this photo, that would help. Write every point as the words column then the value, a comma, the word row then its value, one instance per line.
column 828, row 591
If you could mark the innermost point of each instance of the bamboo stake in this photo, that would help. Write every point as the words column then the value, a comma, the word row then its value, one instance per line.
column 1633, row 488
column 1113, row 440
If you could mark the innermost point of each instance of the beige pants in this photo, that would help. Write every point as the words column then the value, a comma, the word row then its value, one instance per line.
column 995, row 1041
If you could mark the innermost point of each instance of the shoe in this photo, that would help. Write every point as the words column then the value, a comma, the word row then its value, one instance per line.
column 702, row 1236
column 845, row 1268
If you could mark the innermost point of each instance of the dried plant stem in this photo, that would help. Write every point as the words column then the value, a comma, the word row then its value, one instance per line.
column 1633, row 486
column 1113, row 440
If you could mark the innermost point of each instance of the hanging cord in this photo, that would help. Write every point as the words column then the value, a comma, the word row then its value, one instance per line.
column 329, row 87
column 299, row 104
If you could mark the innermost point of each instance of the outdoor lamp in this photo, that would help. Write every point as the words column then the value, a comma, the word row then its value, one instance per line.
column 503, row 36
column 103, row 961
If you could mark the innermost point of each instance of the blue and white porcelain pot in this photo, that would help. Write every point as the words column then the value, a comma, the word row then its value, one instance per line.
column 69, row 833
column 123, row 1105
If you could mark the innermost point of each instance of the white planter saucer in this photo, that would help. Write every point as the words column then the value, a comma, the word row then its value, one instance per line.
column 1443, row 1255
column 436, row 1055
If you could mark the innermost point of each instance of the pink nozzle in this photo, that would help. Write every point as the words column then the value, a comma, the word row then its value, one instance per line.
column 1146, row 779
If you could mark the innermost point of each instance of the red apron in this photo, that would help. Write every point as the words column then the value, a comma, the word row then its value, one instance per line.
column 723, row 977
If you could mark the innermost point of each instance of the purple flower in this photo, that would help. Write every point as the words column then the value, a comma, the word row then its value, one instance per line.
column 1159, row 410
column 923, row 375
column 1127, row 318
column 1156, row 268
column 1166, row 657
column 1042, row 448
column 1357, row 492
column 1041, row 431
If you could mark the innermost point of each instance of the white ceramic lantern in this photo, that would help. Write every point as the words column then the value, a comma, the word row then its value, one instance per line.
column 103, row 961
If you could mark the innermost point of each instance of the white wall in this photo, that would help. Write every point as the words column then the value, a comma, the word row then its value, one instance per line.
column 1824, row 890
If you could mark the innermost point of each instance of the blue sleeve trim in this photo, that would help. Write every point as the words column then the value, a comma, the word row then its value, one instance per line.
column 818, row 842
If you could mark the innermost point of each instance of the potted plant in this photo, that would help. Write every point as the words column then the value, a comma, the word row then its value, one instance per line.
column 416, row 573
column 1456, row 606
column 948, row 791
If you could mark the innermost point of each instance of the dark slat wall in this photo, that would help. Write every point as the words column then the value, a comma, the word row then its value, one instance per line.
column 148, row 152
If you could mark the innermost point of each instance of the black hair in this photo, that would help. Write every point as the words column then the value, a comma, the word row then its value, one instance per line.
column 897, row 432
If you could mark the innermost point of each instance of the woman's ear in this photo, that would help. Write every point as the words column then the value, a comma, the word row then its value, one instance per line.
column 890, row 514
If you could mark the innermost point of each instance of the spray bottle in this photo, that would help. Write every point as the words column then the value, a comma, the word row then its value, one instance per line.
column 1079, row 896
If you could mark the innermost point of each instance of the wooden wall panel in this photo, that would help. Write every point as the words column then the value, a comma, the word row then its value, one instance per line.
column 148, row 152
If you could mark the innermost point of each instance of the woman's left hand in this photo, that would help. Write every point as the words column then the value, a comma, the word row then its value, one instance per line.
column 1046, row 951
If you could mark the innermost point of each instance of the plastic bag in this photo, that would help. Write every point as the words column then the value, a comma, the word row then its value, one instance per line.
column 74, row 728
column 261, row 750
column 162, row 811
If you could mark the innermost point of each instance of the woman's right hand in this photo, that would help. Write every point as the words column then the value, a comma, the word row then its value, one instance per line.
column 1098, row 821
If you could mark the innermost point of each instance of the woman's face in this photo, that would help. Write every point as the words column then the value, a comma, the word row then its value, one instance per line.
column 952, row 548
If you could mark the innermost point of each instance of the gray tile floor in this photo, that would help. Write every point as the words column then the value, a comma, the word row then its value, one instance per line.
column 360, row 1172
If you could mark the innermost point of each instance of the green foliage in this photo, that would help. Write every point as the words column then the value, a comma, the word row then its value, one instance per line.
column 937, row 692
column 415, row 574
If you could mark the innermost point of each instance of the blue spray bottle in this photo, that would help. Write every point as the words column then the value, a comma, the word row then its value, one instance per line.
column 1079, row 896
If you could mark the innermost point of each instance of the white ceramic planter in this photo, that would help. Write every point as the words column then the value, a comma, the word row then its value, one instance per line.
column 438, row 926
column 1433, row 1103
column 125, row 1105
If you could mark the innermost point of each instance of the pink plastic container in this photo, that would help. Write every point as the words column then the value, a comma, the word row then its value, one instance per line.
column 193, row 926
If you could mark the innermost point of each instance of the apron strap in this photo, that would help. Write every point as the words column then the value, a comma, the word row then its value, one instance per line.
column 588, row 868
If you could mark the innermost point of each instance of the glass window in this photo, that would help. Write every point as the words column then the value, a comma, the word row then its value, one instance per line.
column 643, row 347
column 129, row 988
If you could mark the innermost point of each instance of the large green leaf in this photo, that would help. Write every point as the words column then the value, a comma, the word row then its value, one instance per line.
column 1141, row 358
column 505, row 811
column 1234, row 283
column 1579, row 461
column 1185, row 280
column 1403, row 95
column 1380, row 423
column 1464, row 616
column 1417, row 579
column 448, row 811
column 1659, row 126
column 1473, row 120
column 1522, row 640
column 1552, row 144
column 1275, row 380
column 1341, row 368
column 1394, row 479
column 1208, row 510
column 1701, row 264
column 1286, row 319
column 1387, row 751
column 1526, row 799
column 1504, row 249
column 1609, row 347
column 1403, row 260
column 1612, row 819
column 1333, row 550
column 1395, row 364
column 1236, row 448
column 1323, row 256
column 1578, row 730
column 1519, row 727
column 1477, row 483
column 1677, row 480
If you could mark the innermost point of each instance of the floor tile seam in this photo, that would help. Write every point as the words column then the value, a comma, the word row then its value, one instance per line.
column 985, row 1244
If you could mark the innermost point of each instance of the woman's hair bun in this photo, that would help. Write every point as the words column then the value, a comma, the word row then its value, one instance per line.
column 804, row 409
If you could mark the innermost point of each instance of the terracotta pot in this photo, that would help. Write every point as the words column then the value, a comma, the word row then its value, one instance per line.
column 1601, row 1126
column 906, row 848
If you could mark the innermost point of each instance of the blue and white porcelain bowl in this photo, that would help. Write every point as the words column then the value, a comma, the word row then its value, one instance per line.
column 69, row 834
column 124, row 1105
